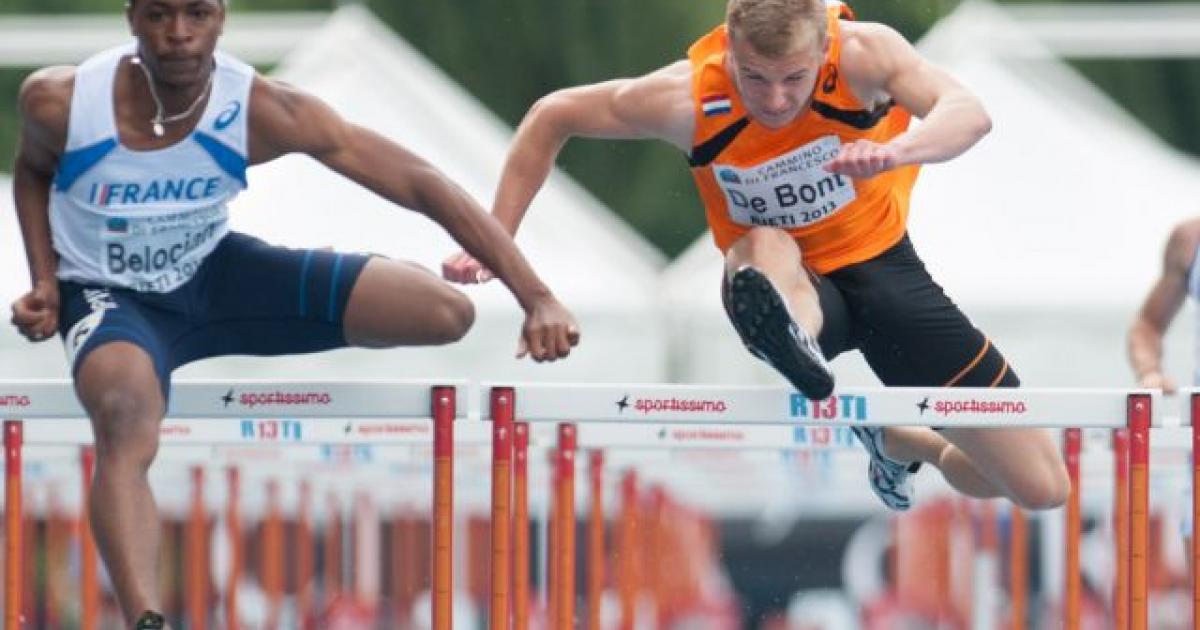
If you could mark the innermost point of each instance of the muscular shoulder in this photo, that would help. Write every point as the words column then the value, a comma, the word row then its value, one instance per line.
column 285, row 119
column 661, row 101
column 45, row 103
column 871, row 54
column 270, row 98
column 672, row 82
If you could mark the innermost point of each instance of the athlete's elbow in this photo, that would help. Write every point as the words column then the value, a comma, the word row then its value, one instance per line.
column 981, row 125
column 982, row 121
column 549, row 115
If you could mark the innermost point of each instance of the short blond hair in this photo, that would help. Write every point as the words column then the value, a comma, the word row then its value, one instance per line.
column 776, row 28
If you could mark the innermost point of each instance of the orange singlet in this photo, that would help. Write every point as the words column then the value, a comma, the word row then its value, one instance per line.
column 751, row 175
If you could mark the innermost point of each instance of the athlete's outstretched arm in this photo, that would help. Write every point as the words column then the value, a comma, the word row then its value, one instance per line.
column 285, row 120
column 44, row 103
column 881, row 64
column 655, row 106
column 1160, row 307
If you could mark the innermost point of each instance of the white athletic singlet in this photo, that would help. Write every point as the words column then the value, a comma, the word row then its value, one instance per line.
column 145, row 220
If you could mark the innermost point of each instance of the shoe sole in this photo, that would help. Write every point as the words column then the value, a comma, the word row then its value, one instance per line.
column 758, row 313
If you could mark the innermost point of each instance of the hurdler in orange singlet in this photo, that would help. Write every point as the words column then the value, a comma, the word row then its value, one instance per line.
column 795, row 120
column 749, row 174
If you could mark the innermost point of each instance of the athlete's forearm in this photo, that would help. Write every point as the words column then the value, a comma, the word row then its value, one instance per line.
column 535, row 147
column 954, row 124
column 31, row 195
column 483, row 237
column 1145, row 349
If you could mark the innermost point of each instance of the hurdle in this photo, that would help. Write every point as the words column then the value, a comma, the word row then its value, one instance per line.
column 233, row 412
column 1190, row 416
column 633, row 405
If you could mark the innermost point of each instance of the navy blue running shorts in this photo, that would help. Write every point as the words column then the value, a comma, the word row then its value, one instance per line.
column 247, row 298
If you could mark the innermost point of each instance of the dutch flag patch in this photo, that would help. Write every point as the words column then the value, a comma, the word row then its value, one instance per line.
column 715, row 104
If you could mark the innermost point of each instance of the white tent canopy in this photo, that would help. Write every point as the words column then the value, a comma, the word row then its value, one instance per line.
column 1048, row 233
column 596, row 265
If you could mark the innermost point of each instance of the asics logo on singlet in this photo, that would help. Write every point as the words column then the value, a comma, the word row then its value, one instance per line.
column 227, row 116
column 147, row 258
column 130, row 193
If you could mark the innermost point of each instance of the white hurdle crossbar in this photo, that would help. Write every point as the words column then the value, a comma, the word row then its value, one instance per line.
column 897, row 406
column 215, row 412
column 639, row 405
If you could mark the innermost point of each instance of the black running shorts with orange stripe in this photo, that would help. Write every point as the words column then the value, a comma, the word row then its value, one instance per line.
column 909, row 331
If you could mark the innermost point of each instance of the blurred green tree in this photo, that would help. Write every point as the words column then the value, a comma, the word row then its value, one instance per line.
column 510, row 53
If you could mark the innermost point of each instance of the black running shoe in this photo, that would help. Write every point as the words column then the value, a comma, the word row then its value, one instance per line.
column 760, row 316
column 150, row 620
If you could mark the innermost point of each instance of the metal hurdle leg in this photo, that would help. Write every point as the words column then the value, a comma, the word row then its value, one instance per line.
column 521, row 527
column 1073, row 590
column 595, row 564
column 305, row 560
column 233, row 528
column 444, row 411
column 13, row 518
column 627, row 581
column 196, row 555
column 1018, row 551
column 566, row 527
column 88, row 570
column 502, row 402
column 1120, row 596
column 1139, row 510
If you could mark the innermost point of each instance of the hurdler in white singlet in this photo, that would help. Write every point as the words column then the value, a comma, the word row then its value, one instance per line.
column 145, row 220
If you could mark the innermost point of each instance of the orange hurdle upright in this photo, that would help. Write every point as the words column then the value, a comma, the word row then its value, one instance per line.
column 1139, row 510
column 521, row 526
column 305, row 560
column 1018, row 568
column 1120, row 595
column 88, row 561
column 628, row 586
column 13, row 519
column 443, row 411
column 1073, row 591
column 595, row 564
column 502, row 402
column 565, row 514
column 233, row 525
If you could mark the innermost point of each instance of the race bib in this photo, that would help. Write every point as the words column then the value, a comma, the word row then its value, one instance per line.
column 790, row 191
column 158, row 253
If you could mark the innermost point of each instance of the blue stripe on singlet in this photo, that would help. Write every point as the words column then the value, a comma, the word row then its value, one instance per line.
column 304, row 282
column 333, row 284
column 73, row 164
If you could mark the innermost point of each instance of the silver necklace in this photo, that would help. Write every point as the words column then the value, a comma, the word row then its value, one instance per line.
column 159, row 121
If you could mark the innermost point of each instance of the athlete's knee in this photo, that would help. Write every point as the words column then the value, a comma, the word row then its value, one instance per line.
column 453, row 317
column 125, row 424
column 766, row 239
column 1050, row 490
